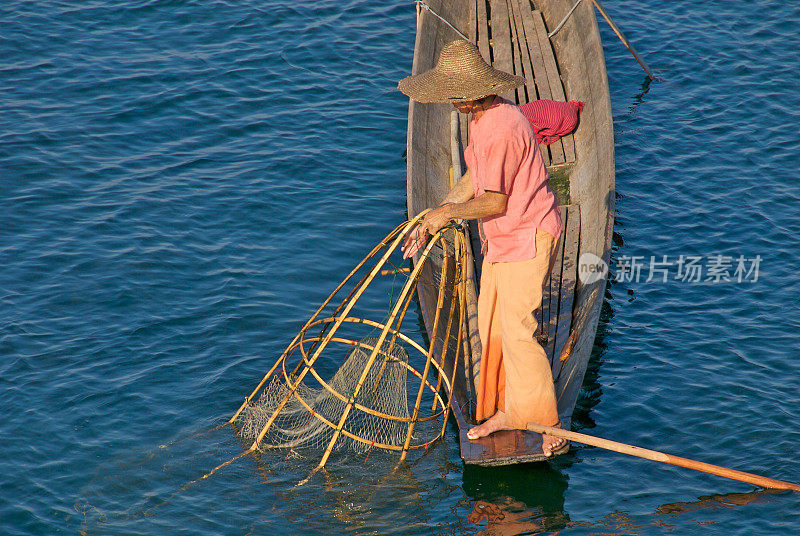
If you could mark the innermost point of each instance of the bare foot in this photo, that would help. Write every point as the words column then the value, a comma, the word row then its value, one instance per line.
column 551, row 444
column 494, row 423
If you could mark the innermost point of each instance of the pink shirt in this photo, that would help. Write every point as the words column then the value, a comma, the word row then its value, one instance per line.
column 503, row 156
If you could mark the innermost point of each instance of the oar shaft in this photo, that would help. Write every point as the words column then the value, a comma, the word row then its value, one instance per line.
column 622, row 37
column 662, row 457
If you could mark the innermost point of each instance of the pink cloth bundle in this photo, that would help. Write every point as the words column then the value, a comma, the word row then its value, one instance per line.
column 552, row 119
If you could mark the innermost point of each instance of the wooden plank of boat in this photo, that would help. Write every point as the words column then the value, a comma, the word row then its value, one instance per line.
column 553, row 79
column 483, row 29
column 473, row 36
column 567, row 143
column 465, row 447
column 555, row 314
column 555, row 290
column 518, row 45
column 542, row 86
column 543, row 313
column 569, row 274
column 469, row 317
column 579, row 52
column 516, row 53
column 501, row 41
column 535, row 52
column 518, row 32
column 506, row 447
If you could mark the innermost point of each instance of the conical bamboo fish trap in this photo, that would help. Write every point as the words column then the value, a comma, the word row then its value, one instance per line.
column 390, row 392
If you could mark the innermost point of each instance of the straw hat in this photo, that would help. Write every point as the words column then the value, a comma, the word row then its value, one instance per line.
column 461, row 74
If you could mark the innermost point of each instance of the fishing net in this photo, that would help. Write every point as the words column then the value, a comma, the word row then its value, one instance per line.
column 350, row 383
column 297, row 425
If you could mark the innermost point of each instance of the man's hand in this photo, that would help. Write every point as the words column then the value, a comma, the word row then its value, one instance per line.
column 428, row 226
column 485, row 205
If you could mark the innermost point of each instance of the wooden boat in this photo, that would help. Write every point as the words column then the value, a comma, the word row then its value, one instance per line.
column 569, row 65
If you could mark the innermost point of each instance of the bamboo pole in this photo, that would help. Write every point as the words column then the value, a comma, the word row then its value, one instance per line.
column 395, row 271
column 622, row 37
column 662, row 457
column 455, row 147
column 429, row 356
column 446, row 345
column 459, row 238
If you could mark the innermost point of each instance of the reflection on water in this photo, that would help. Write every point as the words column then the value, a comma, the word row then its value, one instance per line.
column 530, row 500
column 639, row 97
column 720, row 500
column 674, row 516
column 518, row 498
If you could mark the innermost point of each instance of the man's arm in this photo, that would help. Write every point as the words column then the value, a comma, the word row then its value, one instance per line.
column 483, row 206
column 461, row 192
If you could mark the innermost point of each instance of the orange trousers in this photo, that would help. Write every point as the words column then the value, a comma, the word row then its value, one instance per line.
column 515, row 374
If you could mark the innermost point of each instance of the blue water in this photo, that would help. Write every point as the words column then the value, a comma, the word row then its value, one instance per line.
column 182, row 183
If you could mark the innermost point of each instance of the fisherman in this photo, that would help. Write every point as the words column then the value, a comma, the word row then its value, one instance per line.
column 505, row 187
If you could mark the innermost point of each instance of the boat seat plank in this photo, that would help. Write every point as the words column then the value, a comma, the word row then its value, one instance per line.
column 501, row 41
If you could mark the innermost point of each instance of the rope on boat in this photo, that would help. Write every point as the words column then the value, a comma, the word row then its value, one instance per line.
column 564, row 20
column 426, row 6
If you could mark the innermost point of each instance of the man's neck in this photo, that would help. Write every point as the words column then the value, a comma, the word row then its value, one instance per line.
column 486, row 105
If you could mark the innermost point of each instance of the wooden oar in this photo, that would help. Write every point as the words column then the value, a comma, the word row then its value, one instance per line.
column 622, row 37
column 664, row 458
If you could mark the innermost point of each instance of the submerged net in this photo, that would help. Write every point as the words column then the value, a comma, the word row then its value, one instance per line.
column 297, row 426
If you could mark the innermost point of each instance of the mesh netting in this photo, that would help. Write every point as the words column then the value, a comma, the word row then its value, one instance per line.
column 383, row 391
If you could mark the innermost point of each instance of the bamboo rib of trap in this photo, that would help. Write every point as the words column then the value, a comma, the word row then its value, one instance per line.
column 450, row 246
